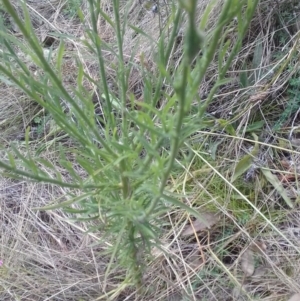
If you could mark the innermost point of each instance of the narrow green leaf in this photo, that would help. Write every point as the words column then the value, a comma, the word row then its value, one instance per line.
column 27, row 21
column 205, row 15
column 75, row 211
column 11, row 160
column 69, row 167
column 147, row 145
column 81, row 15
column 29, row 163
column 21, row 174
column 141, row 122
column 243, row 165
column 86, row 164
column 27, row 132
column 227, row 127
column 256, row 62
column 106, row 18
column 85, row 219
column 246, row 162
column 140, row 31
column 213, row 149
column 255, row 126
column 59, row 58
column 46, row 163
column 65, row 203
column 80, row 74
column 181, row 205
column 222, row 54
column 272, row 179
column 115, row 102
column 240, row 23
column 244, row 83
column 256, row 145
column 146, row 231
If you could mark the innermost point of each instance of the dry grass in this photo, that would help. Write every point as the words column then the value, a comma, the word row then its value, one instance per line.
column 48, row 257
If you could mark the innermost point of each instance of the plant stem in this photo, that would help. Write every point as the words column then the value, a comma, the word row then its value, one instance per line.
column 176, row 139
column 97, row 43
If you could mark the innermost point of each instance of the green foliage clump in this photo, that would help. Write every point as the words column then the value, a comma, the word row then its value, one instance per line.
column 72, row 7
column 293, row 102
column 125, row 188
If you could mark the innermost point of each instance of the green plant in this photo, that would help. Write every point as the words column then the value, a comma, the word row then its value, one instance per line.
column 125, row 190
column 293, row 103
column 71, row 7
column 40, row 122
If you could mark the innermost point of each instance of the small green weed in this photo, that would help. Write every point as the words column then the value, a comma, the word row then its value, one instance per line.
column 71, row 8
column 293, row 103
column 40, row 122
column 123, row 195
column 287, row 27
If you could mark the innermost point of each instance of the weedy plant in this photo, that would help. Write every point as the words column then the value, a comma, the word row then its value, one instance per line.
column 71, row 7
column 128, row 153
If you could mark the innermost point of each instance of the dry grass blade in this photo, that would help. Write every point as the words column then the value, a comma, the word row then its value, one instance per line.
column 248, row 263
column 277, row 185
column 208, row 220
column 295, row 297
column 260, row 273
column 258, row 246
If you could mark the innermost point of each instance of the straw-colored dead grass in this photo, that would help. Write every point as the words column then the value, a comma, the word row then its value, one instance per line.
column 47, row 257
column 44, row 257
